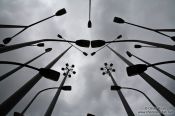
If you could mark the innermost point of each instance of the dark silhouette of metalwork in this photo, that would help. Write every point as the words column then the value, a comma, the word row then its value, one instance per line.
column 68, row 70
column 11, row 101
column 140, row 68
column 119, row 88
column 89, row 21
column 121, row 21
column 90, row 114
column 65, row 88
column 73, row 45
column 81, row 43
column 168, row 95
column 107, row 70
column 12, row 26
column 58, row 13
column 158, row 69
column 4, row 76
column 140, row 46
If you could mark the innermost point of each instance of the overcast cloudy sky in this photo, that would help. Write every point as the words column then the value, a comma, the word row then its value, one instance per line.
column 90, row 89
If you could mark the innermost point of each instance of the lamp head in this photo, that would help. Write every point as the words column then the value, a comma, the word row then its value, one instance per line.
column 90, row 114
column 40, row 44
column 66, row 88
column 48, row 49
column 49, row 74
column 137, row 46
column 60, row 12
column 120, row 36
column 83, row 43
column 93, row 53
column 89, row 24
column 128, row 53
column 18, row 114
column 85, row 53
column 7, row 40
column 173, row 38
column 97, row 43
column 118, row 20
column 115, row 88
column 59, row 36
column 136, row 69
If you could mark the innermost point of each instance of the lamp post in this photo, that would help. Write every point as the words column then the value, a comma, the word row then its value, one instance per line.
column 140, row 68
column 72, row 45
column 4, row 76
column 119, row 88
column 168, row 95
column 65, row 88
column 47, row 73
column 58, row 13
column 107, row 70
column 160, row 70
column 121, row 21
column 81, row 43
column 68, row 70
column 89, row 21
column 11, row 101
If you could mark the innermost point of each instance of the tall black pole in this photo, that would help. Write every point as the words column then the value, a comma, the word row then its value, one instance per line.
column 10, row 102
column 54, row 100
column 168, row 95
column 155, row 67
column 125, row 103
column 4, row 76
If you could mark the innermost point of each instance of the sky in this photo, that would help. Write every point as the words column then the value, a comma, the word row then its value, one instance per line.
column 90, row 89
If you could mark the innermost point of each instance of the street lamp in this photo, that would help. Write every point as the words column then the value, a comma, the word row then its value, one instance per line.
column 47, row 73
column 93, row 44
column 121, row 21
column 72, row 45
column 58, row 13
column 140, row 68
column 65, row 88
column 81, row 43
column 158, row 69
column 4, row 76
column 67, row 73
column 89, row 22
column 119, row 88
column 107, row 70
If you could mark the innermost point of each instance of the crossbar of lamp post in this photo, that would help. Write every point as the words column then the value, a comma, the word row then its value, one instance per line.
column 163, row 91
column 119, row 87
column 155, row 67
column 16, row 97
column 17, row 46
column 4, row 76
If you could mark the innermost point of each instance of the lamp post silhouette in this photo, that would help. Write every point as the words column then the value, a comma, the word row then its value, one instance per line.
column 89, row 21
column 81, row 43
column 12, row 26
column 65, row 88
column 58, row 13
column 107, row 70
column 68, row 70
column 121, row 21
column 93, row 53
column 168, row 95
column 72, row 45
column 11, row 101
column 160, row 70
column 119, row 88
column 47, row 73
column 140, row 68
column 4, row 76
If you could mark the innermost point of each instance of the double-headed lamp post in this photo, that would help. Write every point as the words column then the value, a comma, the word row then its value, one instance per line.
column 65, row 88
column 119, row 88
column 68, row 70
column 107, row 70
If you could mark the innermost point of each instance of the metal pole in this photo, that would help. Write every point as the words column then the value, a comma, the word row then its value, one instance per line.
column 18, row 68
column 160, row 70
column 17, row 46
column 165, row 46
column 168, row 95
column 10, row 102
column 125, row 103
